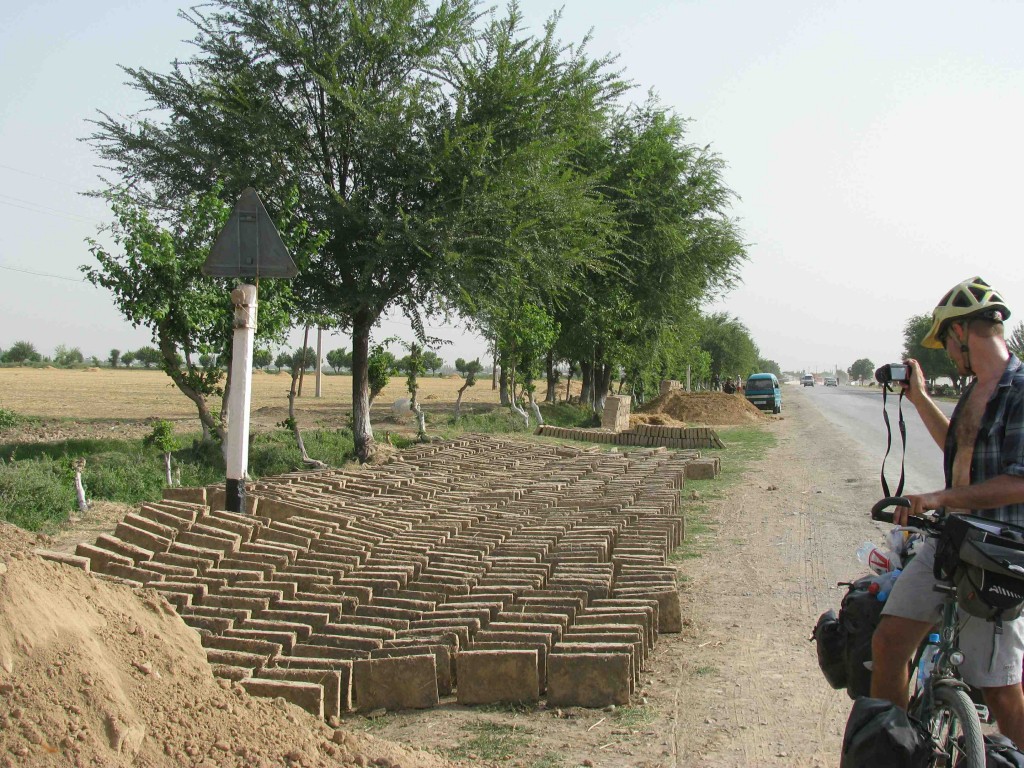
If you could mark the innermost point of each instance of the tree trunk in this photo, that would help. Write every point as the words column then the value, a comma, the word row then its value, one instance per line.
column 167, row 469
column 83, row 504
column 587, row 377
column 362, row 433
column 568, row 386
column 549, row 396
column 294, row 422
column 302, row 358
column 536, row 410
column 514, row 405
column 504, row 399
column 458, row 400
column 494, row 364
column 205, row 417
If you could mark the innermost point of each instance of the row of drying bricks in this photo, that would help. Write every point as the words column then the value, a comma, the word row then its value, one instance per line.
column 299, row 649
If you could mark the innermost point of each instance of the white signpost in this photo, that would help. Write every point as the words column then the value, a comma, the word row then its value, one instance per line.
column 248, row 246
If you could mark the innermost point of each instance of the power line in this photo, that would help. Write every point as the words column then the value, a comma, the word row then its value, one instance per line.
column 37, row 208
column 44, row 274
column 29, row 173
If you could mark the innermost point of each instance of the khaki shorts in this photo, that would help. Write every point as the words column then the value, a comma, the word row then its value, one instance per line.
column 991, row 660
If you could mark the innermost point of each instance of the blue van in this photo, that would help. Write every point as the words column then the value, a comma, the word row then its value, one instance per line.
column 764, row 392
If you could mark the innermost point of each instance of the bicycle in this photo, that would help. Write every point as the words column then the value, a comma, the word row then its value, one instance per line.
column 942, row 703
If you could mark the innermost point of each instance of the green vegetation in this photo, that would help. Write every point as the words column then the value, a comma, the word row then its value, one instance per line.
column 8, row 419
column 490, row 741
column 36, row 479
column 633, row 717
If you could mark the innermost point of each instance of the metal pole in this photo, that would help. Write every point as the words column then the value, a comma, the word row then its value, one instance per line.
column 244, row 299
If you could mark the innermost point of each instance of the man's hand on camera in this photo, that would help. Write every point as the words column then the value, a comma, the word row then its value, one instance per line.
column 915, row 387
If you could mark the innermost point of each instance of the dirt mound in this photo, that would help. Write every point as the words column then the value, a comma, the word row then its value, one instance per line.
column 659, row 419
column 95, row 673
column 703, row 408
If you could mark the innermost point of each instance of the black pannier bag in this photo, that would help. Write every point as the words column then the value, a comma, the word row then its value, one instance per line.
column 844, row 642
column 1000, row 752
column 985, row 560
column 881, row 735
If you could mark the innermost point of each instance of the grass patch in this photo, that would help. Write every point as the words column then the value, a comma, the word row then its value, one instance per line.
column 9, row 419
column 548, row 760
column 705, row 670
column 37, row 479
column 633, row 717
column 490, row 741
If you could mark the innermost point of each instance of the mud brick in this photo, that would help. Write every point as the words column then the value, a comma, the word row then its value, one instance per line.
column 267, row 553
column 332, row 609
column 262, row 570
column 229, row 672
column 444, row 661
column 168, row 531
column 481, row 614
column 211, row 556
column 359, row 593
column 375, row 585
column 301, row 631
column 75, row 561
column 125, row 549
column 554, row 631
column 307, row 650
column 225, row 523
column 275, row 535
column 193, row 495
column 308, row 696
column 503, row 599
column 540, row 647
column 456, row 637
column 286, row 640
column 179, row 518
column 408, row 682
column 220, row 543
column 640, row 617
column 315, row 620
column 143, row 539
column 592, row 646
column 175, row 572
column 406, row 603
column 486, row 611
column 190, row 562
column 702, row 469
column 348, row 642
column 438, row 592
column 141, row 575
column 470, row 625
column 336, row 683
column 227, row 613
column 670, row 618
column 262, row 590
column 568, row 605
column 254, row 661
column 588, row 679
column 533, row 614
column 490, row 677
column 376, row 623
column 243, row 644
column 255, row 605
column 344, row 603
column 647, row 604
column 206, row 624
column 634, row 639
column 386, row 612
column 197, row 592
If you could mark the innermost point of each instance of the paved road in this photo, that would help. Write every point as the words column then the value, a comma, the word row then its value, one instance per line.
column 858, row 412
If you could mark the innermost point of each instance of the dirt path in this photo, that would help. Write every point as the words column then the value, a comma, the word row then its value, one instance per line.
column 740, row 687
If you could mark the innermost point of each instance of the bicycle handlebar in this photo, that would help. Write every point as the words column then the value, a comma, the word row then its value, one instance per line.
column 878, row 512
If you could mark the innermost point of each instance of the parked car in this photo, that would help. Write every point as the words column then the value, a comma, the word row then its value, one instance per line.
column 763, row 390
column 831, row 381
column 807, row 380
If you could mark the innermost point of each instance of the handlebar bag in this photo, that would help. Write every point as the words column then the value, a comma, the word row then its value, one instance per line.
column 985, row 560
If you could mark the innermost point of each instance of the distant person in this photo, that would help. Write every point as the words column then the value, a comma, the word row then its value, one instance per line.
column 728, row 387
column 716, row 382
column 983, row 458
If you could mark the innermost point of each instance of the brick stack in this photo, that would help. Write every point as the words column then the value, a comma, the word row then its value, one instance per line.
column 500, row 570
column 644, row 435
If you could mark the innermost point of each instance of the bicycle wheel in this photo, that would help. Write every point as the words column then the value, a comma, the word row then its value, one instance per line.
column 955, row 730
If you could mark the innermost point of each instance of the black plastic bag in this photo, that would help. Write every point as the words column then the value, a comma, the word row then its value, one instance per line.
column 881, row 735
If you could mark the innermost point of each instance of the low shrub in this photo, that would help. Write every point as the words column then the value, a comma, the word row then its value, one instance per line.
column 8, row 419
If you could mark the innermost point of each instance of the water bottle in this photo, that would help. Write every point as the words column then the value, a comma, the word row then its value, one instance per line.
column 885, row 584
column 927, row 663
column 874, row 558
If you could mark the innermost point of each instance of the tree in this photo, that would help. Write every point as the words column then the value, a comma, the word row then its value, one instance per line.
column 934, row 362
column 115, row 355
column 432, row 361
column 163, row 439
column 413, row 366
column 150, row 356
column 262, row 357
column 302, row 359
column 65, row 357
column 468, row 371
column 22, row 352
column 338, row 359
column 1015, row 341
column 282, row 361
column 862, row 369
column 127, row 359
column 380, row 365
column 769, row 366
column 154, row 273
column 733, row 352
column 349, row 104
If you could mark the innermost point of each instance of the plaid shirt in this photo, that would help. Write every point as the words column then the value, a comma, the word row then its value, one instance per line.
column 999, row 446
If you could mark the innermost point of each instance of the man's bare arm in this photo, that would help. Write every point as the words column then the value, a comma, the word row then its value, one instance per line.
column 998, row 491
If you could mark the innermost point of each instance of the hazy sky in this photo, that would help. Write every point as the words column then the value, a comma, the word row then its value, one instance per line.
column 876, row 150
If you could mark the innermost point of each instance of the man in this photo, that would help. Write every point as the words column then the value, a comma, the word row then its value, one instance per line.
column 983, row 449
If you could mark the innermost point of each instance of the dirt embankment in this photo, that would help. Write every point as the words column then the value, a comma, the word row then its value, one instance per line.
column 94, row 674
column 714, row 409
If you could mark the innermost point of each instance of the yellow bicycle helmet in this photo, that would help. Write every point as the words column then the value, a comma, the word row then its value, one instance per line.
column 971, row 298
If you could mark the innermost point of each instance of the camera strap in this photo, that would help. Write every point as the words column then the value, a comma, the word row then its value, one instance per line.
column 888, row 441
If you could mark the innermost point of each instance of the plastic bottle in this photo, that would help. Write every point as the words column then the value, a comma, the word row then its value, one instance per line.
column 885, row 584
column 874, row 558
column 927, row 663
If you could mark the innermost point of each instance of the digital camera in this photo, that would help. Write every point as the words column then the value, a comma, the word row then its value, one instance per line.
column 893, row 373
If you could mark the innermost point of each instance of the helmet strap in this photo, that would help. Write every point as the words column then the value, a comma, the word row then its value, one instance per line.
column 965, row 351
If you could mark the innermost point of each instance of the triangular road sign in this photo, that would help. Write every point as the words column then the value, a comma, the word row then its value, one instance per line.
column 249, row 245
